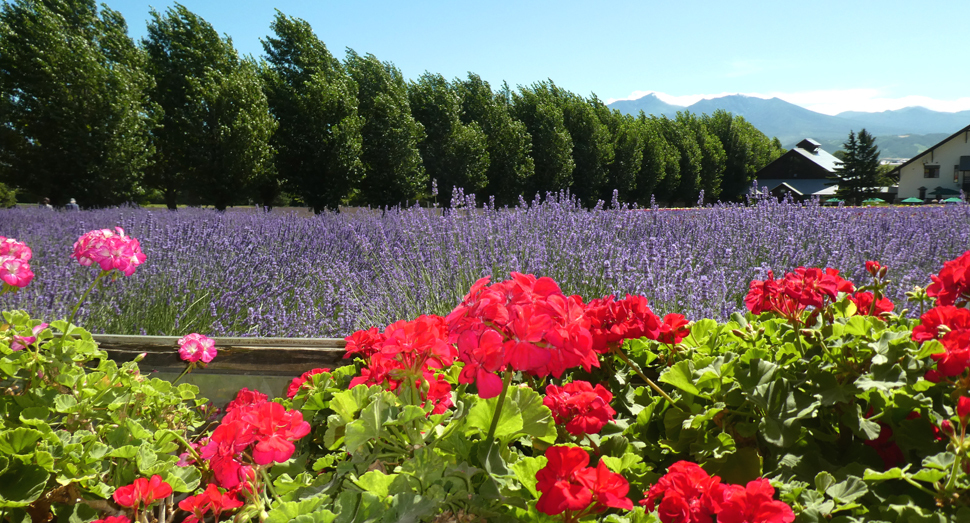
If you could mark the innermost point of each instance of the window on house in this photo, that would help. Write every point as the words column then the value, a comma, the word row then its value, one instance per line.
column 931, row 171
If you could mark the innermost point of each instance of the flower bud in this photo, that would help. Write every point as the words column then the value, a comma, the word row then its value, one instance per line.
column 963, row 410
column 947, row 428
column 872, row 267
column 140, row 357
column 739, row 333
column 882, row 272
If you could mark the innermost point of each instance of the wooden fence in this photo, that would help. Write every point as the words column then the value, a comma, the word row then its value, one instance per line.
column 237, row 356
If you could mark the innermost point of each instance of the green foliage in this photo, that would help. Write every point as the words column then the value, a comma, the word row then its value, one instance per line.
column 858, row 177
column 8, row 196
column 508, row 143
column 315, row 102
column 454, row 154
column 552, row 146
column 74, row 425
column 216, row 125
column 73, row 100
column 746, row 150
column 393, row 172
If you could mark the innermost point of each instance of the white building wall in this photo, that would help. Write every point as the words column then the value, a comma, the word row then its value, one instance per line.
column 946, row 156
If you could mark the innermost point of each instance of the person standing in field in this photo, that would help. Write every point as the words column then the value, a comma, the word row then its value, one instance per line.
column 45, row 203
column 72, row 205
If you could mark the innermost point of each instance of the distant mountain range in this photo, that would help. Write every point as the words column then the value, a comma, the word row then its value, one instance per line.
column 902, row 133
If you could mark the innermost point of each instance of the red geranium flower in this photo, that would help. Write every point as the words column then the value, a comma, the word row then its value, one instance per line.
column 298, row 383
column 863, row 302
column 686, row 494
column 952, row 284
column 142, row 492
column 579, row 406
column 363, row 343
column 609, row 489
column 674, row 329
column 113, row 519
column 754, row 503
column 246, row 397
column 612, row 321
column 563, row 481
column 211, row 500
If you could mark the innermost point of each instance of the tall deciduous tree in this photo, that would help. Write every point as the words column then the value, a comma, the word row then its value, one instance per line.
column 592, row 146
column 685, row 186
column 319, row 140
column 393, row 171
column 508, row 143
column 73, row 103
column 216, row 125
column 454, row 153
column 858, row 176
column 712, row 159
column 746, row 148
column 552, row 146
column 660, row 166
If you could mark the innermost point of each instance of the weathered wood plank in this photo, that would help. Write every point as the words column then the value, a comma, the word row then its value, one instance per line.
column 247, row 356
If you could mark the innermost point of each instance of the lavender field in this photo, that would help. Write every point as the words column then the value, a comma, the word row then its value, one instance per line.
column 250, row 273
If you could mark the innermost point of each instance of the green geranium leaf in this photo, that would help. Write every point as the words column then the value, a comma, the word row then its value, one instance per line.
column 537, row 420
column 872, row 475
column 681, row 375
column 22, row 484
column 857, row 326
column 929, row 475
column 861, row 427
column 376, row 482
column 65, row 403
column 481, row 414
column 525, row 470
column 941, row 461
column 371, row 422
column 849, row 490
column 305, row 511
column 21, row 440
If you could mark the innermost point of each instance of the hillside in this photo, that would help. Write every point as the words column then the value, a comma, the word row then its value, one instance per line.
column 902, row 133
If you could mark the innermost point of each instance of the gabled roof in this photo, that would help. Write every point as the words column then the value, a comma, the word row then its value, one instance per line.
column 807, row 149
column 801, row 186
column 931, row 149
column 821, row 157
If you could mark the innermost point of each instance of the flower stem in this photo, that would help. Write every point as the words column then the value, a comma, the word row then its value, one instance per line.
column 84, row 296
column 654, row 386
column 184, row 372
column 490, row 438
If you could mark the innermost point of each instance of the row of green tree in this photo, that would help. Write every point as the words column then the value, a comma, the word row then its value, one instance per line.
column 86, row 112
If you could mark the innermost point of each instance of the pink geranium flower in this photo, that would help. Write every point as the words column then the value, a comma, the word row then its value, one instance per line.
column 22, row 342
column 15, row 271
column 197, row 347
column 110, row 250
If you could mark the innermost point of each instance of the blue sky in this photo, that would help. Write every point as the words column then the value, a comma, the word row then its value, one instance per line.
column 828, row 56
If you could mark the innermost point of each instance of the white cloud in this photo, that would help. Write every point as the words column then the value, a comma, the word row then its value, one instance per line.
column 828, row 101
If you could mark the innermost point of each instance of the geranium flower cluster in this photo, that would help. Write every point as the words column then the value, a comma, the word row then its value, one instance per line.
column 197, row 347
column 951, row 326
column 791, row 295
column 567, row 483
column 252, row 426
column 949, row 321
column 952, row 285
column 580, row 407
column 142, row 492
column 612, row 321
column 407, row 351
column 211, row 500
column 110, row 250
column 688, row 494
column 14, row 264
column 526, row 324
column 300, row 383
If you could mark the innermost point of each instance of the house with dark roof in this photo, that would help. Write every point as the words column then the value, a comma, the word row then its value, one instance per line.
column 939, row 172
column 806, row 170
